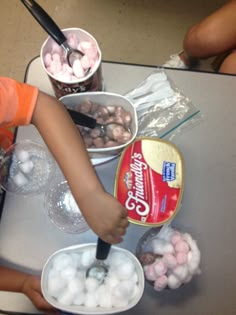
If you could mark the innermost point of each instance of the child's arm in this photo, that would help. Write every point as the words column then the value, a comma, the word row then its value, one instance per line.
column 104, row 214
column 17, row 281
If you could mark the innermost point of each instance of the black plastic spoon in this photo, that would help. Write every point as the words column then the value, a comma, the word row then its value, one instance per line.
column 90, row 122
column 53, row 30
column 99, row 269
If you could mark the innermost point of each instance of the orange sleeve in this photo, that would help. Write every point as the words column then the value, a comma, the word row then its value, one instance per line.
column 17, row 102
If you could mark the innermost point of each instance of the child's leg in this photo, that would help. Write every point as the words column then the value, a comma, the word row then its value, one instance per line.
column 229, row 64
column 214, row 35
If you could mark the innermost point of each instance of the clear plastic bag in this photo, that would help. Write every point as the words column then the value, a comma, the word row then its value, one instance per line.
column 163, row 110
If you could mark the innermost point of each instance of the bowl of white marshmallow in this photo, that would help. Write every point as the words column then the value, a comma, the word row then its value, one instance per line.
column 66, row 287
column 26, row 168
column 170, row 257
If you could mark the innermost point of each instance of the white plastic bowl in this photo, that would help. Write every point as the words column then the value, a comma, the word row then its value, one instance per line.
column 91, row 310
column 104, row 99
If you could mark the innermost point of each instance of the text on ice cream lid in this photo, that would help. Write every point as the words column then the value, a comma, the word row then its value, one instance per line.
column 149, row 181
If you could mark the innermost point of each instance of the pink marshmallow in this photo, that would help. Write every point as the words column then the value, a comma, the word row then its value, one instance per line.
column 63, row 76
column 176, row 237
column 56, row 48
column 170, row 260
column 56, row 57
column 67, row 68
column 160, row 268
column 160, row 283
column 150, row 273
column 47, row 60
column 88, row 48
column 72, row 40
column 55, row 67
column 182, row 258
column 182, row 246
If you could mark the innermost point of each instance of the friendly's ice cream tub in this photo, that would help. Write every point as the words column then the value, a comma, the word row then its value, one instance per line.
column 150, row 181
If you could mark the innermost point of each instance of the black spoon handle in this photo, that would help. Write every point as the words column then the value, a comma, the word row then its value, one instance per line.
column 103, row 249
column 45, row 21
column 82, row 120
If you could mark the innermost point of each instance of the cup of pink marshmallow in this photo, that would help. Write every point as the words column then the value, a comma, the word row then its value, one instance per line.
column 84, row 74
column 170, row 257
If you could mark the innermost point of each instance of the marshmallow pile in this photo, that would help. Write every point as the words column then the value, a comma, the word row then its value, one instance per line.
column 106, row 115
column 67, row 282
column 172, row 259
column 70, row 203
column 25, row 166
column 57, row 65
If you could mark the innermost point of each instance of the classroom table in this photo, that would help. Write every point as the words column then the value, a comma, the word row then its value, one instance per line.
column 28, row 238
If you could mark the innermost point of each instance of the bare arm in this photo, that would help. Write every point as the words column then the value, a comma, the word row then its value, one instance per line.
column 102, row 211
column 17, row 281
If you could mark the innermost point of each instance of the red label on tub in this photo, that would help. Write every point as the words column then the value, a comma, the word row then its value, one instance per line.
column 149, row 181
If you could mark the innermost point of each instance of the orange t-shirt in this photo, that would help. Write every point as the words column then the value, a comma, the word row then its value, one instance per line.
column 17, row 102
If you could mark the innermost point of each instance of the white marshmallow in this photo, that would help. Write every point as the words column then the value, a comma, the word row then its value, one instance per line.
column 27, row 166
column 91, row 284
column 68, row 273
column 111, row 281
column 103, row 295
column 181, row 272
column 124, row 289
column 90, row 300
column 22, row 155
column 62, row 260
column 66, row 297
column 124, row 271
column 116, row 258
column 56, row 284
column 87, row 258
column 173, row 282
column 119, row 302
column 79, row 299
column 160, row 246
column 20, row 179
column 76, row 285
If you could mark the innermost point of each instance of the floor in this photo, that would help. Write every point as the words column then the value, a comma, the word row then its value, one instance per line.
column 133, row 31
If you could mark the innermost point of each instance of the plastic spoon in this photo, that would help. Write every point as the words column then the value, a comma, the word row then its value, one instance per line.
column 87, row 121
column 99, row 269
column 53, row 30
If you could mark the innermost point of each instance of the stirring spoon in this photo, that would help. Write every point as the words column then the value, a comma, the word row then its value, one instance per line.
column 99, row 269
column 87, row 121
column 53, row 30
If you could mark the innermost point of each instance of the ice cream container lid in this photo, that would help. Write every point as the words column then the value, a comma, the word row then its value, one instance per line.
column 150, row 180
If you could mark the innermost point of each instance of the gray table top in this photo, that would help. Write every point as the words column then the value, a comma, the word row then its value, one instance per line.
column 27, row 237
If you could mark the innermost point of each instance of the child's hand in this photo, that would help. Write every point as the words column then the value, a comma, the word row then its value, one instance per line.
column 105, row 215
column 32, row 289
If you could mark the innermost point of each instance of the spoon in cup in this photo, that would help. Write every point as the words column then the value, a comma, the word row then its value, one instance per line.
column 53, row 30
